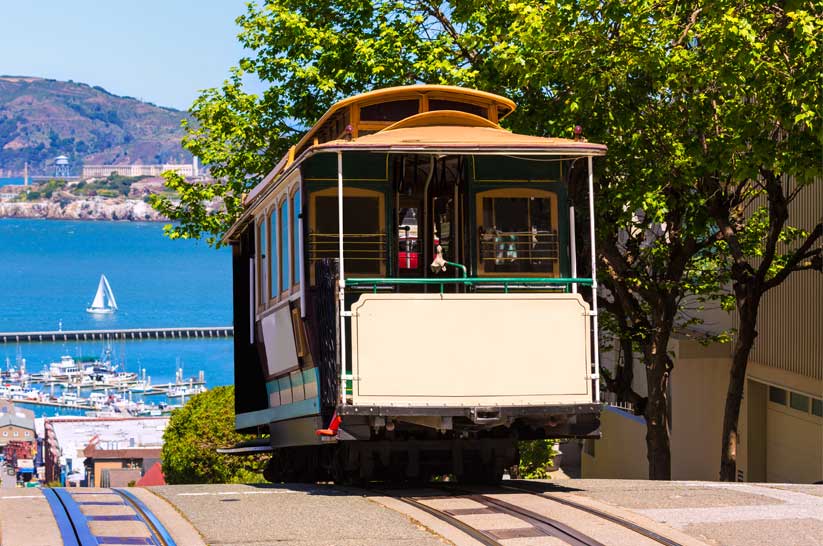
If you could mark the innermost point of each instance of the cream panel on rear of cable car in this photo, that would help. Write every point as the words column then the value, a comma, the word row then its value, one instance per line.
column 471, row 349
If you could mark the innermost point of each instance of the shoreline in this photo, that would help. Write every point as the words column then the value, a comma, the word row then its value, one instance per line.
column 94, row 209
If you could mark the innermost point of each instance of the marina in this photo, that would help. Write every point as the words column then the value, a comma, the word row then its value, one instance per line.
column 62, row 384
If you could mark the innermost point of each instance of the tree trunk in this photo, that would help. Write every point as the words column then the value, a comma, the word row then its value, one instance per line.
column 747, row 311
column 658, row 445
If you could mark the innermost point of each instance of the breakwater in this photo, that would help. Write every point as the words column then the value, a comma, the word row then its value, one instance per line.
column 130, row 334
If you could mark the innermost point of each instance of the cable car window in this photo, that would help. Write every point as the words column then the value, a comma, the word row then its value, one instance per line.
column 364, row 240
column 442, row 104
column 273, row 254
column 517, row 232
column 408, row 253
column 296, row 235
column 285, row 263
column 389, row 111
column 261, row 262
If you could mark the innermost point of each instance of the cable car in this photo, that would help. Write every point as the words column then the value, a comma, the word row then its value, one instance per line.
column 406, row 295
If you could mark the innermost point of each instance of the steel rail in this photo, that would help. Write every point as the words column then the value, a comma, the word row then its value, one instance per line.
column 548, row 526
column 476, row 534
column 74, row 527
column 64, row 523
column 159, row 532
column 78, row 521
column 601, row 514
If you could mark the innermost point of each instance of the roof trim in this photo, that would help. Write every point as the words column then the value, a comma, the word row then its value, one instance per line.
column 406, row 89
column 370, row 96
column 442, row 117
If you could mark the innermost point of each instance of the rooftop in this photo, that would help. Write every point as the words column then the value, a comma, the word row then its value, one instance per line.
column 73, row 434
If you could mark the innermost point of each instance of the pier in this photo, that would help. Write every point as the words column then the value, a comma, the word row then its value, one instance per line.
column 185, row 332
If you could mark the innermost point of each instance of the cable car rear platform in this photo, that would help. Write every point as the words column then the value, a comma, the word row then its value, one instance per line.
column 565, row 421
column 470, row 412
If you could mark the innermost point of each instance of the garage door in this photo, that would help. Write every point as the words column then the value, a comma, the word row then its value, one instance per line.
column 794, row 439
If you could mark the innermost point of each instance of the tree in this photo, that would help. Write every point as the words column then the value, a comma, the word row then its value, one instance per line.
column 765, row 142
column 639, row 76
column 757, row 232
column 193, row 435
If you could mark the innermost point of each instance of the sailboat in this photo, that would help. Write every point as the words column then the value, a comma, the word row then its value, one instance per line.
column 104, row 302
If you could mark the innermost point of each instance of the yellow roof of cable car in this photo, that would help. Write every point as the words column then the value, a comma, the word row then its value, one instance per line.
column 432, row 131
column 504, row 106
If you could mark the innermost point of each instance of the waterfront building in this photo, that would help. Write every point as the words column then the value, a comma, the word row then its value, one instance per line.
column 16, row 427
column 102, row 171
column 114, row 465
column 107, row 443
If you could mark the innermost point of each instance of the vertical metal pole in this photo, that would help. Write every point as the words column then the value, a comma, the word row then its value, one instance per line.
column 341, row 280
column 573, row 239
column 299, row 258
column 596, row 365
column 252, row 301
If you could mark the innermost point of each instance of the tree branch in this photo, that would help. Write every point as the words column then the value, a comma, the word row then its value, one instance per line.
column 778, row 215
column 434, row 10
column 801, row 255
column 691, row 23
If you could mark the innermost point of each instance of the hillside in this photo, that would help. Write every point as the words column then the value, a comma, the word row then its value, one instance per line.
column 41, row 119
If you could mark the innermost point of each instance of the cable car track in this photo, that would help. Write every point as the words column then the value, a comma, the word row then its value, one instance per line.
column 601, row 514
column 540, row 525
column 74, row 523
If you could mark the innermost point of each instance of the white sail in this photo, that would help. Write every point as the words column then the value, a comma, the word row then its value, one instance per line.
column 104, row 301
column 98, row 302
column 109, row 293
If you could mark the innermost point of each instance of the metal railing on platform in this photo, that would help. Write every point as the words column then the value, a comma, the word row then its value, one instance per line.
column 505, row 283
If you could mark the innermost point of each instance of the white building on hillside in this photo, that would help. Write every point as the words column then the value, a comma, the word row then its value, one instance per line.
column 102, row 171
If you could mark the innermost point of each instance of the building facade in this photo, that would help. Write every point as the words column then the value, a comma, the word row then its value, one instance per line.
column 781, row 417
column 109, row 443
column 16, row 426
column 102, row 171
column 101, row 463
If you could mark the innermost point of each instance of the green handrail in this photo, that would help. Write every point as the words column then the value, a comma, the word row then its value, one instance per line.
column 358, row 281
column 461, row 266
column 469, row 281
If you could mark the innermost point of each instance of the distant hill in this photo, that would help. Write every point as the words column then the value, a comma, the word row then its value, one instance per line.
column 41, row 119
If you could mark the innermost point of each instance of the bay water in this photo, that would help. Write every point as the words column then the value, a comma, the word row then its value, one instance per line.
column 49, row 271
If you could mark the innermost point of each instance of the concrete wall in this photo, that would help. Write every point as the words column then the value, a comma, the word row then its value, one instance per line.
column 698, row 397
column 621, row 452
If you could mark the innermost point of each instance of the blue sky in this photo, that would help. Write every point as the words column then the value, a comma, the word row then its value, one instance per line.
column 161, row 51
